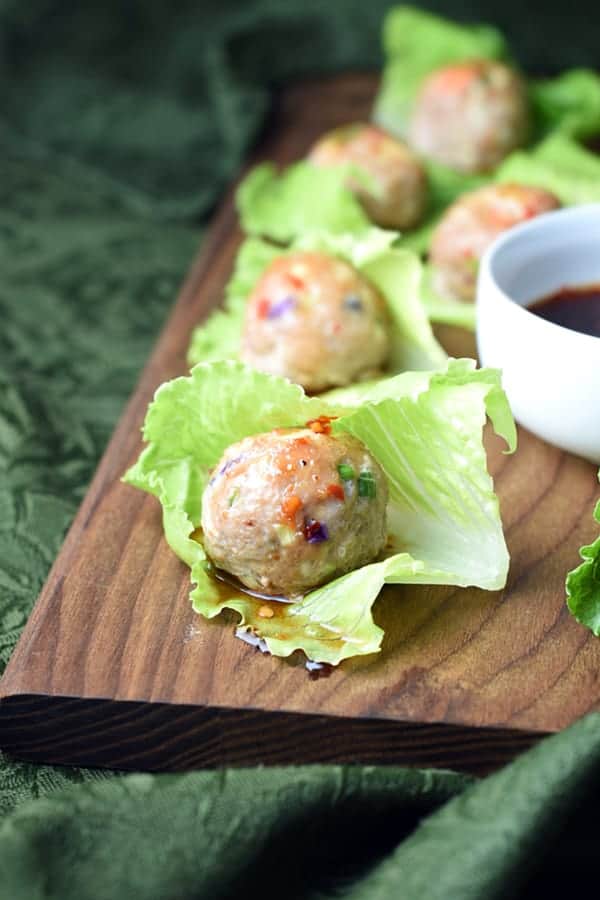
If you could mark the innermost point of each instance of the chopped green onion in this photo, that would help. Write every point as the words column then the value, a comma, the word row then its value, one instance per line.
column 366, row 485
column 346, row 472
column 233, row 497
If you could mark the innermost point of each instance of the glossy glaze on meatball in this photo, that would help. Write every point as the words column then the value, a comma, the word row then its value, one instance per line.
column 291, row 509
column 469, row 226
column 470, row 116
column 314, row 319
column 398, row 196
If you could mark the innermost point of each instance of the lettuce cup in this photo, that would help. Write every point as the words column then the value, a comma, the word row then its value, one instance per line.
column 471, row 224
column 402, row 496
column 324, row 312
column 423, row 49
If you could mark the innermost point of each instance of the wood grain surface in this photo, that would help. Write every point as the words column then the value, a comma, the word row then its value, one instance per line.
column 115, row 669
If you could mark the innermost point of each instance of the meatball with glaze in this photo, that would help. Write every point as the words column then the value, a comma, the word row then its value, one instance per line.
column 470, row 225
column 398, row 196
column 470, row 116
column 291, row 509
column 314, row 319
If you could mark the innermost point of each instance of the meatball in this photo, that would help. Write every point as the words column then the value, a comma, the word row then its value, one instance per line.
column 288, row 510
column 469, row 116
column 470, row 225
column 314, row 319
column 398, row 196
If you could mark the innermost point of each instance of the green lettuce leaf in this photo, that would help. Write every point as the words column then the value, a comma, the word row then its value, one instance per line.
column 426, row 431
column 583, row 584
column 396, row 272
column 558, row 164
column 568, row 104
column 303, row 198
column 458, row 373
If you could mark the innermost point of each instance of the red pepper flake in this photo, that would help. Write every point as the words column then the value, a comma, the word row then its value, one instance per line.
column 262, row 308
column 336, row 328
column 337, row 491
column 290, row 506
column 295, row 281
column 321, row 425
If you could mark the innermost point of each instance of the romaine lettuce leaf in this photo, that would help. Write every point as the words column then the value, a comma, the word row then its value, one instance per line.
column 396, row 272
column 583, row 584
column 424, row 428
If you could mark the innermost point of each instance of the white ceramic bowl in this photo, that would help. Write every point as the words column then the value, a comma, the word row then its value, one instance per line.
column 550, row 374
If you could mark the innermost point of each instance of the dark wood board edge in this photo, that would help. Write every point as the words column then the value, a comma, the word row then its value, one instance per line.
column 129, row 735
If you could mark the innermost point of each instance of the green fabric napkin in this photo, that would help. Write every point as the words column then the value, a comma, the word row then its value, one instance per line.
column 120, row 123
column 362, row 833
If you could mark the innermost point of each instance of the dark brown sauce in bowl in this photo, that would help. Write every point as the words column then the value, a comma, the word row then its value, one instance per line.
column 574, row 307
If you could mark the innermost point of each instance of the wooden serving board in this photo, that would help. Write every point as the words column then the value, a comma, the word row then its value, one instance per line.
column 115, row 669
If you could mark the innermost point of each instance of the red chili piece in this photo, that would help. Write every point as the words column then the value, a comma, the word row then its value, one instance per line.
column 321, row 425
column 262, row 308
column 337, row 491
column 298, row 283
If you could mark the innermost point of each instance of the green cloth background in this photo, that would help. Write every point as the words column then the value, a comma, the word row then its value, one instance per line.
column 120, row 123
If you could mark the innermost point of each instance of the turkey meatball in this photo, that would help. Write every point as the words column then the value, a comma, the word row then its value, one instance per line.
column 470, row 116
column 398, row 195
column 291, row 509
column 470, row 225
column 314, row 319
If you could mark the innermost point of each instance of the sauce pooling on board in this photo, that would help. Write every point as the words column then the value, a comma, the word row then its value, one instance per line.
column 574, row 307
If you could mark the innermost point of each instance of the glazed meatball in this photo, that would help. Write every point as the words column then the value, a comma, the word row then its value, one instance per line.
column 398, row 196
column 314, row 319
column 469, row 116
column 291, row 509
column 470, row 225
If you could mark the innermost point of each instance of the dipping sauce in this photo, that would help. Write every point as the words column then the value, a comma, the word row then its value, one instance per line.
column 574, row 307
